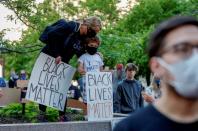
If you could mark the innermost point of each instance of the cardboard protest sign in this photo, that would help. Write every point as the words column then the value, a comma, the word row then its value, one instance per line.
column 99, row 96
column 9, row 95
column 22, row 83
column 49, row 82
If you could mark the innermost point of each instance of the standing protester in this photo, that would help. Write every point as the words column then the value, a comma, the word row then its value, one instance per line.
column 128, row 96
column 117, row 77
column 173, row 52
column 23, row 76
column 153, row 92
column 13, row 78
column 74, row 93
column 64, row 40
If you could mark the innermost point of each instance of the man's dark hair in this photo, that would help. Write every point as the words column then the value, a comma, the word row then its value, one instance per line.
column 156, row 41
column 131, row 66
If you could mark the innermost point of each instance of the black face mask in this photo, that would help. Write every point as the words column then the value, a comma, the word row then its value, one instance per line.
column 91, row 33
column 91, row 50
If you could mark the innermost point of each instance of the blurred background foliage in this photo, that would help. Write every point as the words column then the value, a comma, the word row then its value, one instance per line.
column 124, row 35
column 13, row 114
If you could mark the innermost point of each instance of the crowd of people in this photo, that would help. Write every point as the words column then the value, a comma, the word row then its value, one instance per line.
column 172, row 97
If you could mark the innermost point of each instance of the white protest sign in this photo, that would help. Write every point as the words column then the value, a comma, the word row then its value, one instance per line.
column 49, row 82
column 99, row 96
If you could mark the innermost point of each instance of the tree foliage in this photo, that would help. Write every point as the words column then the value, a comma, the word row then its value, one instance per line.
column 128, row 39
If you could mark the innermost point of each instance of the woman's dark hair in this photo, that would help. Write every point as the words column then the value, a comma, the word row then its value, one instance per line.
column 156, row 41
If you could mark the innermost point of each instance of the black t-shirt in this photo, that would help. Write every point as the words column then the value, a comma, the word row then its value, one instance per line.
column 149, row 119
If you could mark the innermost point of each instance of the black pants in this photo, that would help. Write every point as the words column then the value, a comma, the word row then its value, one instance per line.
column 43, row 108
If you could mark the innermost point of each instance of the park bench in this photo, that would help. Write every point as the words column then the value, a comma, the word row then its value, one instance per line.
column 76, row 104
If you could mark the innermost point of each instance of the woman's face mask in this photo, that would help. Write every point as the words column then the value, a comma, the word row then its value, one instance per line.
column 185, row 75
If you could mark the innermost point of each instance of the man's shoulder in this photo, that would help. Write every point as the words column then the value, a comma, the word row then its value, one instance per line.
column 137, row 119
column 121, row 83
column 138, row 82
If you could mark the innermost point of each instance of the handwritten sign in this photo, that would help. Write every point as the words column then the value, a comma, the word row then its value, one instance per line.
column 49, row 82
column 99, row 96
column 22, row 83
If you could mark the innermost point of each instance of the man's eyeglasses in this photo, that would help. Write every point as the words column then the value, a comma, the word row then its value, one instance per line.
column 182, row 50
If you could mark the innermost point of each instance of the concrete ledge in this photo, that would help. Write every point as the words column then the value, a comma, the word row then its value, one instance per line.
column 59, row 126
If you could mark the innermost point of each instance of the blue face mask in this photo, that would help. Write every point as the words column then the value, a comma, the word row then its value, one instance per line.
column 23, row 76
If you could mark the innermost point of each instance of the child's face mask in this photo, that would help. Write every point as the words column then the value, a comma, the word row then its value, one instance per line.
column 91, row 50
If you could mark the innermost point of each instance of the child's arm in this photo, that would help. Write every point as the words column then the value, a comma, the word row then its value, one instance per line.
column 101, row 68
column 81, row 68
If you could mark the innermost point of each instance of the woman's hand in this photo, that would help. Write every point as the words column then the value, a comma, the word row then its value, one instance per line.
column 58, row 59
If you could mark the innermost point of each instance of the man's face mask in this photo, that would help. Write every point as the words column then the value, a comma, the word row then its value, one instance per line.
column 91, row 33
column 185, row 75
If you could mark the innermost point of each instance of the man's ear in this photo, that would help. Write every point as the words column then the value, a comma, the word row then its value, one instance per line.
column 155, row 66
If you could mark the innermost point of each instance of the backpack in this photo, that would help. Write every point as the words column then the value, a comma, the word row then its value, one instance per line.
column 44, row 36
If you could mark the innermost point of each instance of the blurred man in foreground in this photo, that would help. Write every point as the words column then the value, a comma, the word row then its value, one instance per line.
column 173, row 52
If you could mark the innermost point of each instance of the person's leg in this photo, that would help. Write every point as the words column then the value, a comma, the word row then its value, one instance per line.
column 80, row 82
column 42, row 113
column 62, row 117
column 42, row 108
column 23, row 94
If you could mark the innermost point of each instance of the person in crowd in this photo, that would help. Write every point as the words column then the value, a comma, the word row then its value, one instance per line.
column 1, row 93
column 152, row 92
column 80, row 82
column 74, row 92
column 13, row 78
column 118, row 76
column 90, row 61
column 23, row 76
column 128, row 96
column 173, row 56
column 63, row 40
